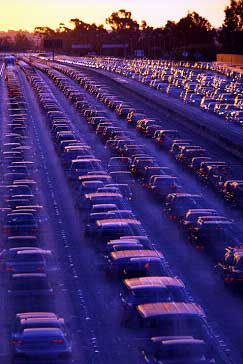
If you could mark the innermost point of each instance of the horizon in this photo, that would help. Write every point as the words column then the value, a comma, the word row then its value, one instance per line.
column 154, row 12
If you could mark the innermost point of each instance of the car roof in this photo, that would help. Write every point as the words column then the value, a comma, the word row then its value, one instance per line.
column 120, row 222
column 173, row 340
column 42, row 331
column 29, row 275
column 156, row 282
column 35, row 314
column 136, row 254
column 40, row 319
column 103, row 194
column 169, row 308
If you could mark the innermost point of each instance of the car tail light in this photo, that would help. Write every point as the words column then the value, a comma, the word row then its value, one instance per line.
column 172, row 217
column 6, row 230
column 9, row 269
column 57, row 341
column 16, row 342
column 199, row 247
column 40, row 268
column 34, row 230
column 228, row 279
column 146, row 265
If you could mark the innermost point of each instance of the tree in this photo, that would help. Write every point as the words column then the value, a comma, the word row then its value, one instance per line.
column 5, row 44
column 234, row 16
column 44, row 31
column 232, row 32
column 22, row 43
column 122, row 20
column 193, row 34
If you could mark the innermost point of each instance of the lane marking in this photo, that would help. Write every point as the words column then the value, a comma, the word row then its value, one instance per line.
column 1, row 70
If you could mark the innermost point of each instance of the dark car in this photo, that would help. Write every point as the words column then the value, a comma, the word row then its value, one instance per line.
column 213, row 233
column 20, row 223
column 231, row 268
column 177, row 350
column 177, row 204
column 152, row 289
column 161, row 186
column 135, row 263
column 190, row 218
column 42, row 344
column 233, row 191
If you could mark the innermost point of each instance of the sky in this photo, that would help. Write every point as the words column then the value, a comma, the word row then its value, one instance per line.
column 26, row 14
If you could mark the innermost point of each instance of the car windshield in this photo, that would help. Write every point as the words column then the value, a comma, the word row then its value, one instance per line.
column 20, row 219
column 182, row 351
column 30, row 284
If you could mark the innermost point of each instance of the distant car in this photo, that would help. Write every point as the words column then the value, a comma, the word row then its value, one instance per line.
column 95, row 198
column 233, row 191
column 213, row 233
column 176, row 204
column 81, row 166
column 190, row 218
column 231, row 268
column 108, row 229
column 164, row 185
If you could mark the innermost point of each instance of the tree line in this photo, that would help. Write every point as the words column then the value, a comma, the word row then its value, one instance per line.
column 192, row 37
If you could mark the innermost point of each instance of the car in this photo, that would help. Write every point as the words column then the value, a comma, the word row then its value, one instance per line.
column 152, row 289
column 169, row 319
column 25, row 284
column 163, row 185
column 114, row 228
column 103, row 198
column 83, row 165
column 153, row 171
column 177, row 204
column 90, row 186
column 177, row 350
column 164, row 138
column 231, row 267
column 91, row 226
column 42, row 343
column 191, row 216
column 20, row 223
column 40, row 321
column 28, row 260
column 233, row 192
column 135, row 263
column 213, row 233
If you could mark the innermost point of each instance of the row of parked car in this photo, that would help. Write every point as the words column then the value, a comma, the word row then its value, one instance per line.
column 225, row 179
column 171, row 328
column 28, row 268
column 206, row 228
column 207, row 86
